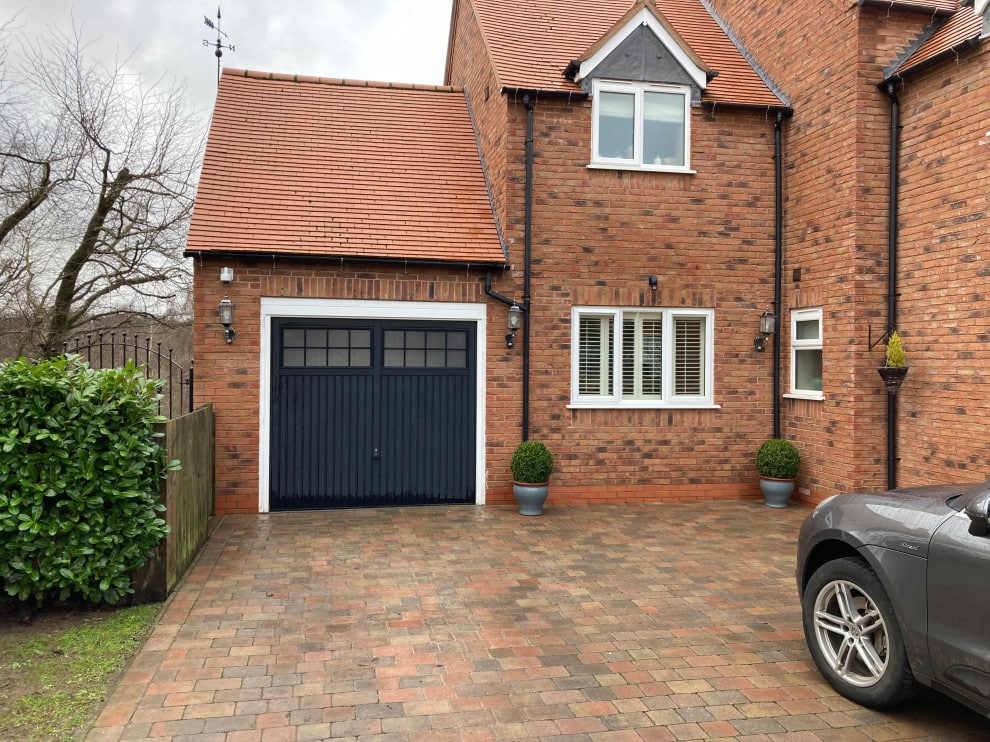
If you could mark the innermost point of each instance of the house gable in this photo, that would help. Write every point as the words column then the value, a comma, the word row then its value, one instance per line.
column 643, row 48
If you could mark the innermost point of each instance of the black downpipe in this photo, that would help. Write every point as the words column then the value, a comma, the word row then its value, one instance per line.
column 528, row 251
column 895, row 136
column 778, row 267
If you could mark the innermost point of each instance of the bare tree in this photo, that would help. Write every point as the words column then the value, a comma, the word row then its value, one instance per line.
column 97, row 177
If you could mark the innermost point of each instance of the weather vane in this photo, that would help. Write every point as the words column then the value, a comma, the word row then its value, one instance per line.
column 218, row 44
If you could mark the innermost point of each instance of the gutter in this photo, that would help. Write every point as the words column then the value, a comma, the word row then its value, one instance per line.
column 338, row 259
column 534, row 94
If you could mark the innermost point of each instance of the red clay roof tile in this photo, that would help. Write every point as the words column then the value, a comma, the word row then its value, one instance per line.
column 342, row 168
column 927, row 6
column 533, row 41
column 965, row 25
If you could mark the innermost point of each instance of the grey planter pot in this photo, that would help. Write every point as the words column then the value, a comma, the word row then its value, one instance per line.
column 530, row 497
column 776, row 492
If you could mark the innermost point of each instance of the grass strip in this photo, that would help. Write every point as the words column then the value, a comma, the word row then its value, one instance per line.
column 53, row 683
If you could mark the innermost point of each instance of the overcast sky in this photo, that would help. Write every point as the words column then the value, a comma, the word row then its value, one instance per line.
column 393, row 40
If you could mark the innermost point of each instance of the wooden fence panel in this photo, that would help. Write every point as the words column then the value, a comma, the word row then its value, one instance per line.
column 188, row 497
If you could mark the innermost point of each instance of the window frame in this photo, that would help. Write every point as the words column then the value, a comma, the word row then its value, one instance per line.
column 638, row 90
column 668, row 399
column 804, row 315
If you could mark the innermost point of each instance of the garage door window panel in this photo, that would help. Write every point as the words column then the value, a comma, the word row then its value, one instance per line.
column 435, row 349
column 322, row 348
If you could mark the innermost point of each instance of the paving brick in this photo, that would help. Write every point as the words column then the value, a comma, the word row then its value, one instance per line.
column 619, row 633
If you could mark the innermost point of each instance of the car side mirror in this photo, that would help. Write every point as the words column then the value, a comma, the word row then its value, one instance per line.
column 978, row 511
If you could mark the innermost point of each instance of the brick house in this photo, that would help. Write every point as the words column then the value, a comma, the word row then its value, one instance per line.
column 645, row 180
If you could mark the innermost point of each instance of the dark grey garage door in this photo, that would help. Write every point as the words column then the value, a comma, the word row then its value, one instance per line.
column 372, row 413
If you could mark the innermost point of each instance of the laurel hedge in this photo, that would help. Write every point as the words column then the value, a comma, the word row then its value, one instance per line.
column 80, row 469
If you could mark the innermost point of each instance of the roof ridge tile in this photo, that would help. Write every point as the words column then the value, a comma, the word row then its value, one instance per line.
column 340, row 81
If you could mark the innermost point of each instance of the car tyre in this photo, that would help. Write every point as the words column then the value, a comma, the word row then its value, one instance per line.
column 853, row 634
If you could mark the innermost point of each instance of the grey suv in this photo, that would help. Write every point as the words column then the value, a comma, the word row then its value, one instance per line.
column 895, row 591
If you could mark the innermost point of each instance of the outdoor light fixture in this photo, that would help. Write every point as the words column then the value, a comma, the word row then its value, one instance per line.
column 515, row 322
column 515, row 317
column 227, row 318
column 653, row 282
column 768, row 326
column 226, row 275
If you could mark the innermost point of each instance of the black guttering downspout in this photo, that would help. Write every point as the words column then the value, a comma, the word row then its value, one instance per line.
column 778, row 259
column 527, row 261
column 895, row 131
column 780, row 114
column 529, row 98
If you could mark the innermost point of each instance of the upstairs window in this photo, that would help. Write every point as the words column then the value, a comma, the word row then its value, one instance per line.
column 640, row 125
column 635, row 358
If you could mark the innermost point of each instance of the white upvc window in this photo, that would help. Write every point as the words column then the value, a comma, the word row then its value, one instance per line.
column 641, row 126
column 641, row 357
column 806, row 353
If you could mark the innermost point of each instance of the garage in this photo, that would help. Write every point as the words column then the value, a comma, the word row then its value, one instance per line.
column 372, row 413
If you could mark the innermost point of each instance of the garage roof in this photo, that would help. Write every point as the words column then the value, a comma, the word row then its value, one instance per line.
column 337, row 168
column 532, row 43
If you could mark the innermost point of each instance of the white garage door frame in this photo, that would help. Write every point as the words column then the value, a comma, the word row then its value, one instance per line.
column 277, row 308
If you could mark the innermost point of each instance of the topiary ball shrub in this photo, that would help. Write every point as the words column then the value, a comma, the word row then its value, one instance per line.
column 531, row 463
column 778, row 459
column 80, row 470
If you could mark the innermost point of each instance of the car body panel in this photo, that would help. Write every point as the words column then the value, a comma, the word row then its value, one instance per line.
column 959, row 608
column 931, row 552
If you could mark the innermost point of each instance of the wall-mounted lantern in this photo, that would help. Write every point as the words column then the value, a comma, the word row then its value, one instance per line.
column 768, row 326
column 226, row 311
column 515, row 322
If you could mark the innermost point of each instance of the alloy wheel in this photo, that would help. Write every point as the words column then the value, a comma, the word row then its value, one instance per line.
column 851, row 633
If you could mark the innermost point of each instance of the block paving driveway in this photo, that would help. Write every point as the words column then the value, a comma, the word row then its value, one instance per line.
column 624, row 622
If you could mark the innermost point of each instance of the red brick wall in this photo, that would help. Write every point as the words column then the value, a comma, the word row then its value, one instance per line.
column 943, row 409
column 836, row 155
column 597, row 235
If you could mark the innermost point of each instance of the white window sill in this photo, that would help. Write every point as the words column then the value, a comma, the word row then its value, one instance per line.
column 813, row 396
column 642, row 406
column 640, row 168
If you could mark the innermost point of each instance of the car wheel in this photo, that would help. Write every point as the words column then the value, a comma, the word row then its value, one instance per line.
column 854, row 636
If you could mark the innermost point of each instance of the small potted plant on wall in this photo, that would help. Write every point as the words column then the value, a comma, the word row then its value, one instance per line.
column 895, row 366
column 531, row 465
column 777, row 462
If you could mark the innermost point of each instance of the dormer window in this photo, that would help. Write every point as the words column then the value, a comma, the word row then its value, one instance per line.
column 643, row 126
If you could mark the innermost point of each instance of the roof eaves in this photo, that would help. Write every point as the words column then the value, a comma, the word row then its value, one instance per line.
column 926, row 34
column 537, row 93
column 897, row 71
column 938, row 10
column 949, row 53
column 291, row 257
column 763, row 74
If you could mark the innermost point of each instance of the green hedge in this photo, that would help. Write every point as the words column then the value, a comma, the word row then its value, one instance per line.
column 80, row 469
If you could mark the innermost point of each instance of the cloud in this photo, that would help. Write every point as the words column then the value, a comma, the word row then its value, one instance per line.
column 395, row 40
